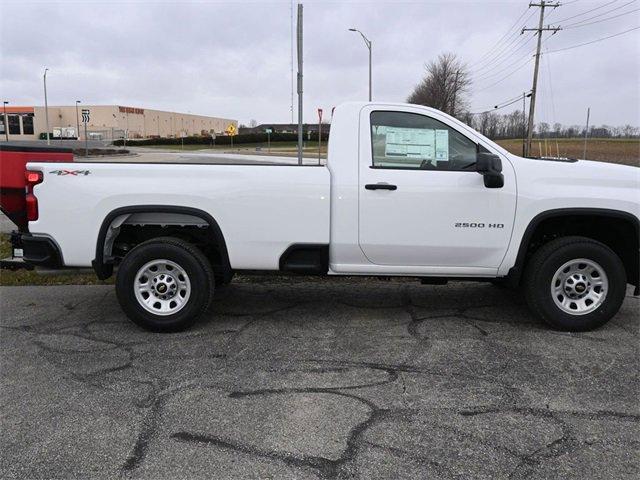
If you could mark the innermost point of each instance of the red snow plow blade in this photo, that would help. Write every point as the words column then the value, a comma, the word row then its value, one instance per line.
column 13, row 161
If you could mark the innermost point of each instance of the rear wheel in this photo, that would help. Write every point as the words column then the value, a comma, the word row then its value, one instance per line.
column 575, row 283
column 164, row 284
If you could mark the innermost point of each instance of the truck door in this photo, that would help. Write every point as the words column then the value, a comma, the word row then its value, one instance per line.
column 421, row 202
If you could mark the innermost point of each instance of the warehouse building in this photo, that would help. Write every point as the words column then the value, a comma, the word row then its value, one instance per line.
column 107, row 122
column 284, row 128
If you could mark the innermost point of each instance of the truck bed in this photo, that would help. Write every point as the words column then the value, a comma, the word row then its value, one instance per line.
column 261, row 209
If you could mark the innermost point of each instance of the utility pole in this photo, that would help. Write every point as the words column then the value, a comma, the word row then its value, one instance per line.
column 77, row 120
column 46, row 105
column 292, row 80
column 586, row 135
column 299, row 38
column 319, row 134
column 532, row 104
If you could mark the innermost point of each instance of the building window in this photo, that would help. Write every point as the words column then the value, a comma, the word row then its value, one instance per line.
column 14, row 124
column 2, row 124
column 27, row 125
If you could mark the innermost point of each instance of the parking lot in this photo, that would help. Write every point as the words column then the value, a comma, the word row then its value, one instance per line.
column 316, row 379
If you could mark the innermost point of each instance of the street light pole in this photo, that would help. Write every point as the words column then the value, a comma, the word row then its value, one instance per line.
column 6, row 127
column 77, row 119
column 46, row 105
column 367, row 42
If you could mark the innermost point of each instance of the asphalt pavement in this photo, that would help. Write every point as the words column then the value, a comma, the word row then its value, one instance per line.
column 316, row 379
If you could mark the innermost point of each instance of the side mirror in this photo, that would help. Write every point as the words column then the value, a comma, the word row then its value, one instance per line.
column 490, row 167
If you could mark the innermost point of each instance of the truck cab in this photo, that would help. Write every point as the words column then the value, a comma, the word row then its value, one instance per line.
column 422, row 206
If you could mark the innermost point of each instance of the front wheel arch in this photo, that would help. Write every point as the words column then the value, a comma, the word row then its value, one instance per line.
column 617, row 229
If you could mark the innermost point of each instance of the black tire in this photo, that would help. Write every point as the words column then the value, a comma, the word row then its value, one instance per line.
column 545, row 262
column 190, row 259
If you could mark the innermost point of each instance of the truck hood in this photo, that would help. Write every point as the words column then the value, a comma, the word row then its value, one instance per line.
column 578, row 172
column 578, row 184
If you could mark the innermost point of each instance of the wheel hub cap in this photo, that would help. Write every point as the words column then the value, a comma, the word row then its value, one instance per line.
column 162, row 287
column 579, row 286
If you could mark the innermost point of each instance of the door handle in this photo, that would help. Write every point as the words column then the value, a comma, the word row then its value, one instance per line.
column 380, row 186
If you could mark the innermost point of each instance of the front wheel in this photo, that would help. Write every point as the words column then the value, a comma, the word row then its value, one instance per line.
column 164, row 284
column 575, row 283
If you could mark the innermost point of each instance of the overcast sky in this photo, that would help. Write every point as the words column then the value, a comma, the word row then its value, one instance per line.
column 233, row 59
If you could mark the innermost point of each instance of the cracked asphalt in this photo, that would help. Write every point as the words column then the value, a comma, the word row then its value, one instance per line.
column 316, row 379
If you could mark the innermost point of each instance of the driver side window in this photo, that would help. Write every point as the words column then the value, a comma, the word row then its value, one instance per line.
column 402, row 140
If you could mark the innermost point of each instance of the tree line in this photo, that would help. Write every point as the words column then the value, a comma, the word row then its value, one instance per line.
column 446, row 86
column 512, row 125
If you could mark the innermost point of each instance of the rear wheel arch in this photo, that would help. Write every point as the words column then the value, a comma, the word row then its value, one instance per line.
column 617, row 229
column 103, row 266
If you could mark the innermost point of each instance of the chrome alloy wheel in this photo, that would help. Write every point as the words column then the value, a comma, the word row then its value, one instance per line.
column 579, row 286
column 162, row 287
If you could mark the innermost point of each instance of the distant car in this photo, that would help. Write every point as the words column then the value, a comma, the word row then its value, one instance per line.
column 408, row 191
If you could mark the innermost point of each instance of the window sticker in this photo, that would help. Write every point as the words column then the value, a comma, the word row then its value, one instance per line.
column 442, row 145
column 417, row 143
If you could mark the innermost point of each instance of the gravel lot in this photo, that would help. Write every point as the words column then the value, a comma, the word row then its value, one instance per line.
column 316, row 379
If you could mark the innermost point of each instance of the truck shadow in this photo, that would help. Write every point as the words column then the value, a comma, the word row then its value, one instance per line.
column 340, row 300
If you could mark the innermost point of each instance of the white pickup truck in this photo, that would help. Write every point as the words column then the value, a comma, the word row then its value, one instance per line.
column 407, row 191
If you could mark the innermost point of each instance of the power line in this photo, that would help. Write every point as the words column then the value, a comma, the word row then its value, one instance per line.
column 493, row 73
column 497, row 53
column 527, row 55
column 506, row 76
column 503, row 60
column 481, row 59
column 585, row 12
column 602, row 20
column 602, row 13
column 498, row 107
column 593, row 41
column 517, row 97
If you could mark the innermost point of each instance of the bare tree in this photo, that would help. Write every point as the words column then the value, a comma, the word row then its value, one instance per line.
column 543, row 129
column 629, row 131
column 557, row 130
column 510, row 125
column 253, row 123
column 444, row 86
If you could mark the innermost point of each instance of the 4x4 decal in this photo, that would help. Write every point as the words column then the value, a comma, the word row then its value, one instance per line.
column 70, row 172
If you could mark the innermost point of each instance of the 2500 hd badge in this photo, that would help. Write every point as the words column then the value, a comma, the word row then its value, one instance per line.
column 478, row 225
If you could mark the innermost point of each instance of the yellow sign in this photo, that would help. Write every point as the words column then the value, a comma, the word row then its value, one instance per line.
column 231, row 129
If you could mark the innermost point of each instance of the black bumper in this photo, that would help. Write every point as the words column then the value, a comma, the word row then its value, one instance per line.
column 38, row 251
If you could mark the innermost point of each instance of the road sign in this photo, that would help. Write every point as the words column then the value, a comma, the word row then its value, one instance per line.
column 231, row 129
column 268, row 130
column 85, row 115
